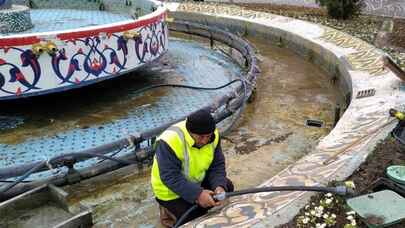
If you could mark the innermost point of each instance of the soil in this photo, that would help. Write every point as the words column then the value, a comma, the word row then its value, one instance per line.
column 398, row 35
column 387, row 153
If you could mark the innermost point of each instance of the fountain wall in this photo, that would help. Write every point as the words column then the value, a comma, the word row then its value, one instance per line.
column 46, row 62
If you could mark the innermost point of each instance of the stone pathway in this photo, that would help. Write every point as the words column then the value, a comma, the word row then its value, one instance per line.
column 392, row 8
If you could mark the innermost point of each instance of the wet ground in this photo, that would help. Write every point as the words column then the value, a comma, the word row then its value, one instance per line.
column 49, row 213
column 270, row 136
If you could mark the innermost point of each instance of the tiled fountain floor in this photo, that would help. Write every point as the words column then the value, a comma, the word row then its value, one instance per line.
column 47, row 20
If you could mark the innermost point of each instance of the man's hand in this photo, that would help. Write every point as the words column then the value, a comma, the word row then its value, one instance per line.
column 218, row 190
column 205, row 199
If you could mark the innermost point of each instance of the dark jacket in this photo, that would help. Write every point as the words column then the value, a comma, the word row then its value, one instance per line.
column 170, row 172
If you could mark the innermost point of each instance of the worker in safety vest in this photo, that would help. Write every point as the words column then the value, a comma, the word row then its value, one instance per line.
column 188, row 168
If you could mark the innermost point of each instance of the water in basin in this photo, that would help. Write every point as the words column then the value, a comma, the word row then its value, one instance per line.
column 270, row 136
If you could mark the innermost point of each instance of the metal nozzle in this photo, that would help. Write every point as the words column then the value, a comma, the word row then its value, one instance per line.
column 344, row 190
column 220, row 196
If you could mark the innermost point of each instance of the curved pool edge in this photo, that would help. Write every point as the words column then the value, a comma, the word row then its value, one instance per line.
column 66, row 60
column 340, row 153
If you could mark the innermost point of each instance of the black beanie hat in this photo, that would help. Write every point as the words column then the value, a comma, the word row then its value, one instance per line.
column 200, row 122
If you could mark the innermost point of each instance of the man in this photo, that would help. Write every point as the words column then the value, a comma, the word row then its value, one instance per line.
column 188, row 168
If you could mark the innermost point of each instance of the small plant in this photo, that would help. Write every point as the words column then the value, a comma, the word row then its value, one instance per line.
column 325, row 213
column 342, row 9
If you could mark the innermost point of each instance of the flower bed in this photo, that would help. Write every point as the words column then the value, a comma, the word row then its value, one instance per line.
column 326, row 210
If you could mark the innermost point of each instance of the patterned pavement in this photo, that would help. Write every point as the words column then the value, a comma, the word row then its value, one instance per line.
column 391, row 8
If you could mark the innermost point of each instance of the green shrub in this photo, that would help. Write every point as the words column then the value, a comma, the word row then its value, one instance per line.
column 342, row 9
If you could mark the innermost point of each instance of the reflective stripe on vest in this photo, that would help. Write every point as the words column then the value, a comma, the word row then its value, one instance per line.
column 185, row 151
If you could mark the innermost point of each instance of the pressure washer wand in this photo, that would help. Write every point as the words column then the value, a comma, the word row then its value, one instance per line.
column 339, row 190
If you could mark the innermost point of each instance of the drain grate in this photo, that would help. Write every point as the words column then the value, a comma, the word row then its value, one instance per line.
column 314, row 123
column 365, row 93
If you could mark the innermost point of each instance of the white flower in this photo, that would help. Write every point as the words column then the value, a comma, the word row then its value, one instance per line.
column 350, row 184
column 306, row 214
column 353, row 222
column 333, row 216
column 328, row 195
column 350, row 218
column 312, row 212
column 351, row 213
column 328, row 201
column 305, row 220
column 323, row 225
column 306, row 207
column 320, row 208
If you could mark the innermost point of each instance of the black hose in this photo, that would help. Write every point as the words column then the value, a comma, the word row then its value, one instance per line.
column 240, row 111
column 340, row 190
column 396, row 133
column 43, row 163
column 186, row 86
column 20, row 179
column 336, row 190
column 184, row 216
column 100, row 156
column 241, row 108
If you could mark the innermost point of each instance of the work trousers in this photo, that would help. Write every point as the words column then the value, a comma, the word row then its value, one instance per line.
column 179, row 206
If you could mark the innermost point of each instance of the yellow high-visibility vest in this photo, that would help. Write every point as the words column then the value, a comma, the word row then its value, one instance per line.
column 195, row 162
